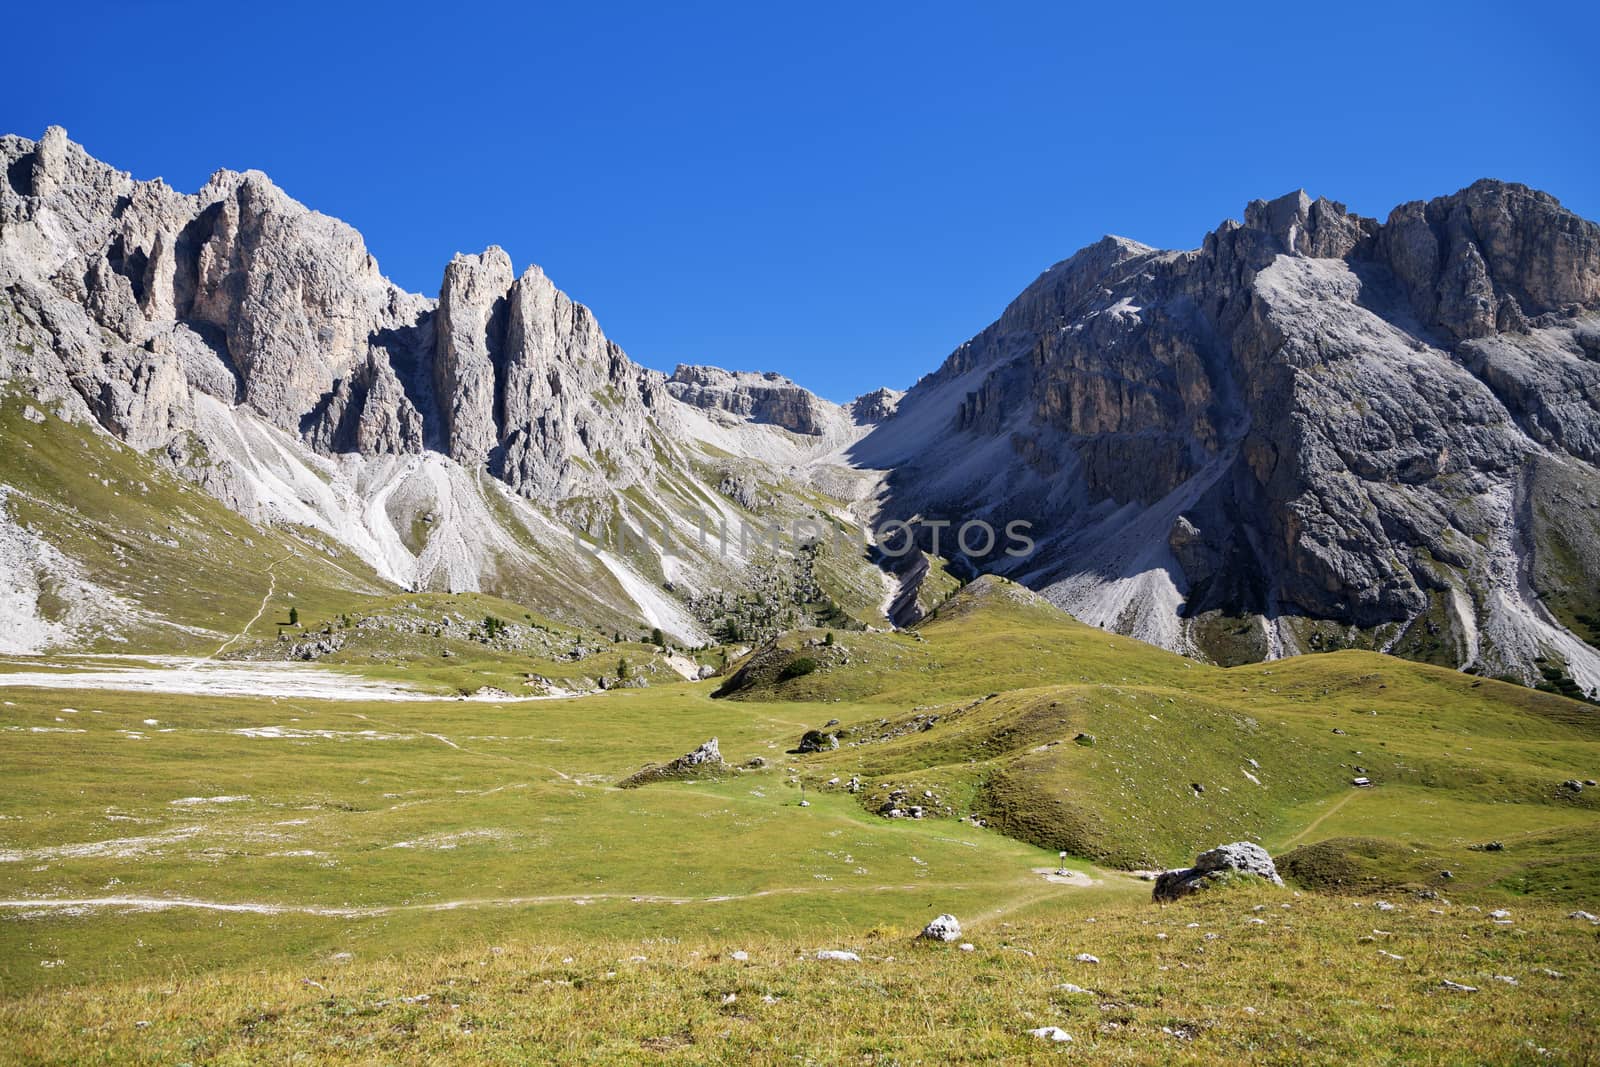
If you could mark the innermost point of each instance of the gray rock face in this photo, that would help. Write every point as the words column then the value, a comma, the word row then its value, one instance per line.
column 244, row 294
column 236, row 291
column 869, row 409
column 570, row 394
column 1491, row 257
column 367, row 412
column 132, row 298
column 470, row 332
column 1215, row 866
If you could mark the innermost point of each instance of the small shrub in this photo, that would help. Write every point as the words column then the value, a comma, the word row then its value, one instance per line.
column 797, row 668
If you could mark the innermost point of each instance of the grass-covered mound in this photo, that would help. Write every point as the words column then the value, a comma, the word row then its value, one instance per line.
column 462, row 642
column 993, row 635
column 1364, row 864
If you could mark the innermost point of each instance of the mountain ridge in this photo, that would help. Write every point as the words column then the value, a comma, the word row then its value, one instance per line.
column 1184, row 426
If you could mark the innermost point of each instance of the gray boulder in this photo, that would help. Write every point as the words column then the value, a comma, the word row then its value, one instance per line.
column 817, row 741
column 942, row 928
column 1216, row 866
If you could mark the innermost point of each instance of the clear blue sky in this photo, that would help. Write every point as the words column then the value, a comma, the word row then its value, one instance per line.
column 842, row 193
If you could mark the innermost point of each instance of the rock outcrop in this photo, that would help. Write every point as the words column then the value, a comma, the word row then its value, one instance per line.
column 144, row 296
column 760, row 397
column 869, row 409
column 1216, row 867
column 470, row 331
column 704, row 761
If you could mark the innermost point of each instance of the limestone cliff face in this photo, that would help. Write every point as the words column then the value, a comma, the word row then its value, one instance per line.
column 568, row 393
column 470, row 330
column 236, row 291
column 1490, row 257
column 869, row 409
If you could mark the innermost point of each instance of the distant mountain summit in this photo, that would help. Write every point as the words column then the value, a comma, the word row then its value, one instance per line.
column 1316, row 430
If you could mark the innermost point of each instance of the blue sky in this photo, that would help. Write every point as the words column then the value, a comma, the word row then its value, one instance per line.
column 842, row 193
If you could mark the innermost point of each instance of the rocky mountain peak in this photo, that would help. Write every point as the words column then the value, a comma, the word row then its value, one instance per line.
column 876, row 406
column 1280, row 424
column 1492, row 256
column 1303, row 226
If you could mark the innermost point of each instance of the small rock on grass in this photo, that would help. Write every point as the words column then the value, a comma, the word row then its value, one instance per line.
column 942, row 928
column 1051, row 1033
column 1084, row 957
column 838, row 955
column 1458, row 987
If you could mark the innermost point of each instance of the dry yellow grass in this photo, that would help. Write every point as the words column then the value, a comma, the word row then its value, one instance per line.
column 1236, row 975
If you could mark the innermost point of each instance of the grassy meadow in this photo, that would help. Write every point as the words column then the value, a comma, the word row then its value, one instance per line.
column 192, row 878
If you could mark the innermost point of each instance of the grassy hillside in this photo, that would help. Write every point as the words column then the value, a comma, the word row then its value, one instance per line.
column 436, row 822
column 992, row 636
column 1135, row 757
column 189, row 572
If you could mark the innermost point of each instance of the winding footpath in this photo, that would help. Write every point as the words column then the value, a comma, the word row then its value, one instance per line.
column 272, row 588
